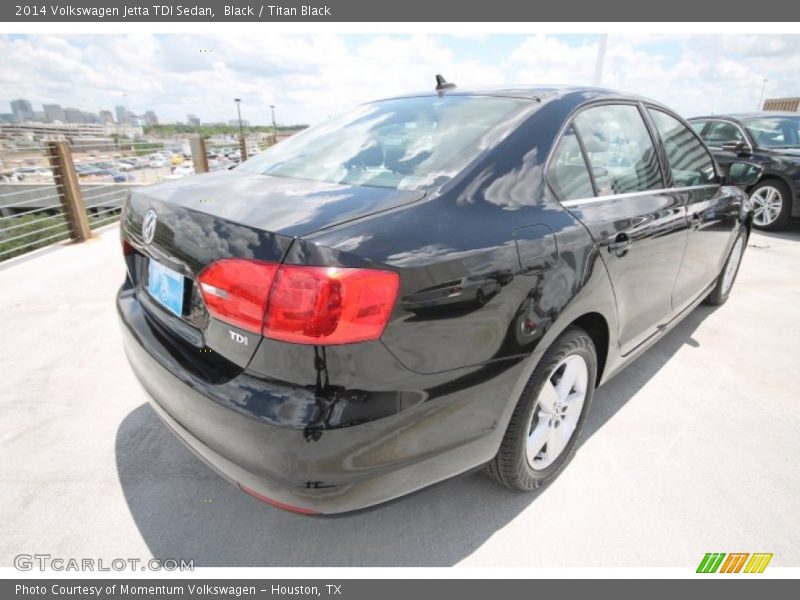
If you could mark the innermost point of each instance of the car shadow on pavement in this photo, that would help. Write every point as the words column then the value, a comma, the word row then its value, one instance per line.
column 185, row 510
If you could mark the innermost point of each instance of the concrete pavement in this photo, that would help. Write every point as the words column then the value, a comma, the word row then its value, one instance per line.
column 692, row 449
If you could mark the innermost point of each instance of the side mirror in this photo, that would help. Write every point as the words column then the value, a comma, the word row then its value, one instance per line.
column 736, row 147
column 743, row 174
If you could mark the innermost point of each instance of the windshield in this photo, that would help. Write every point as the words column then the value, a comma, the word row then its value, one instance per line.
column 775, row 132
column 406, row 143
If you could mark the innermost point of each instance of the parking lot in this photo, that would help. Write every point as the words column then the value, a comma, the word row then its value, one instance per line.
column 692, row 449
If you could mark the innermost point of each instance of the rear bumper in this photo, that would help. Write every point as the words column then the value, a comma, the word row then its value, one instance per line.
column 458, row 425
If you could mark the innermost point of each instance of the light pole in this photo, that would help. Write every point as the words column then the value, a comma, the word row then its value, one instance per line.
column 601, row 59
column 761, row 99
column 274, row 127
column 242, row 144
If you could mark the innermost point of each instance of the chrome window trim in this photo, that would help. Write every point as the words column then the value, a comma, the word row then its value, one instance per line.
column 594, row 199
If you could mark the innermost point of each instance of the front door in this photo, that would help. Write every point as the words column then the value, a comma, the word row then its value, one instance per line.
column 712, row 211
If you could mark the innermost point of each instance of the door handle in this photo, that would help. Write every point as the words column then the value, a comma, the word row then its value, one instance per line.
column 695, row 220
column 620, row 244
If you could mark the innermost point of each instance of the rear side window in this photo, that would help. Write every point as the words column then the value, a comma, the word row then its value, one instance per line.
column 721, row 132
column 698, row 126
column 689, row 161
column 619, row 149
column 568, row 174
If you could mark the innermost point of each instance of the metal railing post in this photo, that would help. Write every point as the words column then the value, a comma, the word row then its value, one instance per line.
column 69, row 190
column 243, row 147
column 199, row 156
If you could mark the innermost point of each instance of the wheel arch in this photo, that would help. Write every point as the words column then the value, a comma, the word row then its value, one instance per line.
column 596, row 326
column 769, row 175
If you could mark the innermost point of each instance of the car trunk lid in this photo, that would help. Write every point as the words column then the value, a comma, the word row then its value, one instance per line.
column 200, row 220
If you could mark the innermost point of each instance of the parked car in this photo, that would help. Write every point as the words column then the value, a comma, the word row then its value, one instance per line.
column 104, row 164
column 88, row 170
column 131, row 163
column 220, row 163
column 10, row 177
column 36, row 172
column 771, row 140
column 283, row 355
column 158, row 163
column 183, row 170
column 116, row 176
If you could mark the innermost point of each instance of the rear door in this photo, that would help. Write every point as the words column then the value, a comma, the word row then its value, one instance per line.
column 639, row 226
column 712, row 211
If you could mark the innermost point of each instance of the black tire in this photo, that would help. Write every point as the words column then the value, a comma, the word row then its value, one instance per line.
column 511, row 467
column 719, row 295
column 782, row 220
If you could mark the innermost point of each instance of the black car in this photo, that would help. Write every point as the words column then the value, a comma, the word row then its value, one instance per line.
column 426, row 285
column 768, row 139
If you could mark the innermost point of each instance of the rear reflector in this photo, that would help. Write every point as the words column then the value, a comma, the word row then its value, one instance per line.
column 236, row 290
column 300, row 304
column 289, row 507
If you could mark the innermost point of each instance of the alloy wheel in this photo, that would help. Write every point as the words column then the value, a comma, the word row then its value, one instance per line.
column 767, row 204
column 557, row 411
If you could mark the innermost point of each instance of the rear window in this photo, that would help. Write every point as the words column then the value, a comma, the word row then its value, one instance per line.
column 406, row 143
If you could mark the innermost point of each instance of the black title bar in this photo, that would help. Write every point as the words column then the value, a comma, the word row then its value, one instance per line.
column 337, row 11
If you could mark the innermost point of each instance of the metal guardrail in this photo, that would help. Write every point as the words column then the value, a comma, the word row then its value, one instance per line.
column 69, row 188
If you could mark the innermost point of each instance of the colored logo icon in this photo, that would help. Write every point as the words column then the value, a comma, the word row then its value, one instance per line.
column 735, row 562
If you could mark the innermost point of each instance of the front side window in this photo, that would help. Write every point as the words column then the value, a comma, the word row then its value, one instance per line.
column 698, row 126
column 722, row 132
column 406, row 143
column 619, row 149
column 689, row 161
column 775, row 132
column 568, row 173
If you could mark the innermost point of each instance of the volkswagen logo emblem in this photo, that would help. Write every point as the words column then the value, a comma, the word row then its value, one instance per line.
column 149, row 226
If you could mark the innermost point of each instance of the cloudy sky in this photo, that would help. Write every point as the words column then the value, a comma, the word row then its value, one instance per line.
column 310, row 77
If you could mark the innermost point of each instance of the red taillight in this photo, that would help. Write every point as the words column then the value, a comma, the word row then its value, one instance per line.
column 329, row 305
column 299, row 304
column 236, row 290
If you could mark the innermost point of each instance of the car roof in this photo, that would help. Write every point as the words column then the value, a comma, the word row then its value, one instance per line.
column 534, row 92
column 747, row 115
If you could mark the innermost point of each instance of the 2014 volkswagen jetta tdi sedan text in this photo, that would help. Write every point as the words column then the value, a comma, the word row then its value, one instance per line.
column 423, row 286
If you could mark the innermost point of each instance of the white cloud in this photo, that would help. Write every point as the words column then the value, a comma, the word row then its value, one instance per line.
column 309, row 77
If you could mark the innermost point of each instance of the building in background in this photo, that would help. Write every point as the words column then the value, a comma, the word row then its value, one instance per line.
column 193, row 120
column 782, row 104
column 235, row 122
column 106, row 117
column 122, row 114
column 73, row 115
column 54, row 112
column 150, row 118
column 22, row 109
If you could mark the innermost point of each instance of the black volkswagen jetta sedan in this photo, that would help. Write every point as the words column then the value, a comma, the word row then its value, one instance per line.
column 425, row 285
column 770, row 140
